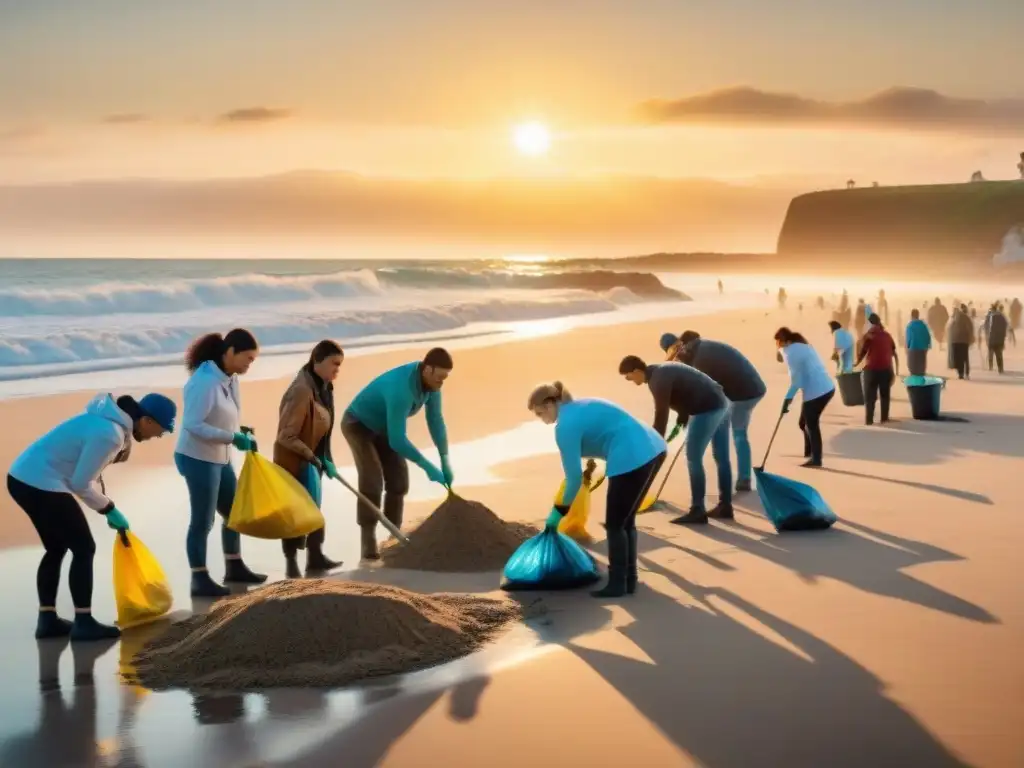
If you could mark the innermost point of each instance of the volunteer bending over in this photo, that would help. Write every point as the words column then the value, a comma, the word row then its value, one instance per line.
column 739, row 379
column 374, row 425
column 807, row 374
column 210, row 426
column 68, row 462
column 701, row 406
column 303, row 445
column 597, row 429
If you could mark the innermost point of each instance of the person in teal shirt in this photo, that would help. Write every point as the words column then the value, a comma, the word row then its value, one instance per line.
column 919, row 341
column 374, row 425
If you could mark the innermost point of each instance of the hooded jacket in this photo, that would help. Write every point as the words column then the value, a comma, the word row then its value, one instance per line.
column 71, row 457
column 727, row 365
column 211, row 414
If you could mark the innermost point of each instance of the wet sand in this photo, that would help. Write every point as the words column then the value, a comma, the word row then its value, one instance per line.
column 892, row 639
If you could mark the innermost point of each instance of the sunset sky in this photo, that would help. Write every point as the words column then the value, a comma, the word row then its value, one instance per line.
column 734, row 89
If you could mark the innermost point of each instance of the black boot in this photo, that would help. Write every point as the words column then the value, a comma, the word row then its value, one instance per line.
column 722, row 511
column 696, row 516
column 316, row 560
column 369, row 542
column 291, row 566
column 204, row 586
column 86, row 629
column 618, row 556
column 631, row 572
column 49, row 625
column 235, row 570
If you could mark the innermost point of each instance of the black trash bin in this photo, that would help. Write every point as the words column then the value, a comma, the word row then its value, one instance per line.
column 925, row 395
column 851, row 390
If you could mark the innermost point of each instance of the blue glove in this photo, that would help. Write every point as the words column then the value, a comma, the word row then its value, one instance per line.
column 675, row 432
column 434, row 474
column 243, row 442
column 446, row 470
column 116, row 520
column 554, row 518
column 330, row 469
column 786, row 403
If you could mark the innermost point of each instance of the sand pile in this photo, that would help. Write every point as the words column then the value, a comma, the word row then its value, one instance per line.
column 460, row 536
column 318, row 633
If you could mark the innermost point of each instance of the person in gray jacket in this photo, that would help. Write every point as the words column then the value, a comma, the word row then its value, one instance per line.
column 67, row 462
column 997, row 326
column 210, row 425
column 739, row 380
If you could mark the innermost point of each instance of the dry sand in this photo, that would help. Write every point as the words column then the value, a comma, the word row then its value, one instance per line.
column 893, row 639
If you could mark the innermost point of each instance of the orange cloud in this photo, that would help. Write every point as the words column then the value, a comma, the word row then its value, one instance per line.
column 255, row 115
column 125, row 118
column 894, row 107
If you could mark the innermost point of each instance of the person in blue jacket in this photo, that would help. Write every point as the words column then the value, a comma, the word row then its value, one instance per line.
column 68, row 462
column 374, row 425
column 591, row 428
column 919, row 341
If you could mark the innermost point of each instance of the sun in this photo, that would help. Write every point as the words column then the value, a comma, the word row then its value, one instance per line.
column 531, row 138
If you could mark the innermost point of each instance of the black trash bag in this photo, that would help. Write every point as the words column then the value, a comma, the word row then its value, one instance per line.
column 549, row 561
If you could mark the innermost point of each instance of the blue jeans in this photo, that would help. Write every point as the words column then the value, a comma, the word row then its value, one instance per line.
column 704, row 429
column 739, row 416
column 211, row 490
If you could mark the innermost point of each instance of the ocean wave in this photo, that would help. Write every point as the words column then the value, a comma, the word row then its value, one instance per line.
column 73, row 347
column 255, row 289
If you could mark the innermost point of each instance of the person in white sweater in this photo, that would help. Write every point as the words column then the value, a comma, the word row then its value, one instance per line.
column 807, row 374
column 210, row 426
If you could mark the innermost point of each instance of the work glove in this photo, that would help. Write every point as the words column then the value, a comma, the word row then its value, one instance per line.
column 446, row 470
column 330, row 469
column 675, row 432
column 116, row 520
column 554, row 518
column 434, row 474
column 243, row 442
column 786, row 403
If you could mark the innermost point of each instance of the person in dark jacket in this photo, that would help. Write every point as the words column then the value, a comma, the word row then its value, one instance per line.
column 303, row 445
column 878, row 352
column 997, row 327
column 938, row 317
column 961, row 337
column 740, row 381
column 702, row 407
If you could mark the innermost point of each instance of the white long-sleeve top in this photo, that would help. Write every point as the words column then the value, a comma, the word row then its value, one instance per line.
column 807, row 372
column 211, row 415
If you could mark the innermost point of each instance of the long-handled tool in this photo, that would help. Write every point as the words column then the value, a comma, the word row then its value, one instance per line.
column 651, row 501
column 391, row 527
column 769, row 449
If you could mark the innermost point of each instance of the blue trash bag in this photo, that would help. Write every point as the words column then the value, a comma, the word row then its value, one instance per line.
column 791, row 505
column 550, row 560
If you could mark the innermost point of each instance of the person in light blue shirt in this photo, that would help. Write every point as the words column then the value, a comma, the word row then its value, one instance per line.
column 919, row 341
column 633, row 452
column 374, row 425
column 842, row 347
column 807, row 375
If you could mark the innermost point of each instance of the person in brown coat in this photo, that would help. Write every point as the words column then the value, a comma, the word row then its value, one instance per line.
column 303, row 444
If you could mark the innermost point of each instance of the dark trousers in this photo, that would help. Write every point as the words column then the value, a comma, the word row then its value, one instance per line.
column 62, row 528
column 962, row 359
column 917, row 361
column 381, row 470
column 995, row 354
column 877, row 387
column 312, row 480
column 626, row 494
column 810, row 424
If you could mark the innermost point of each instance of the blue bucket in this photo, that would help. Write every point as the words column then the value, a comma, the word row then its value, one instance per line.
column 925, row 395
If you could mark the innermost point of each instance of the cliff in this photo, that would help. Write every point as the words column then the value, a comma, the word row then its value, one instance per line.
column 945, row 223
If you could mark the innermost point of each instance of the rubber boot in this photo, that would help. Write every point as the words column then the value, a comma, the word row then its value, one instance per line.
column 369, row 542
column 618, row 556
column 722, row 511
column 49, row 625
column 317, row 561
column 86, row 629
column 632, row 578
column 235, row 570
column 204, row 586
column 291, row 566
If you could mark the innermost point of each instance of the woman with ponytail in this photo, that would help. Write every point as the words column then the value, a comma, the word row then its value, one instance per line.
column 210, row 426
column 633, row 452
column 303, row 444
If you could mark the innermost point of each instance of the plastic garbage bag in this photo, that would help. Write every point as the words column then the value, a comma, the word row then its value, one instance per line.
column 141, row 590
column 574, row 524
column 791, row 505
column 271, row 504
column 550, row 560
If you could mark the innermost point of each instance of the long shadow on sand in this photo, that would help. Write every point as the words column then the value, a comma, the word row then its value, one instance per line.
column 931, row 442
column 956, row 493
column 729, row 696
column 846, row 553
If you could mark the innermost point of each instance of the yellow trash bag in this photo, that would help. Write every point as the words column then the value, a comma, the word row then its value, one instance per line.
column 140, row 586
column 574, row 524
column 271, row 504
